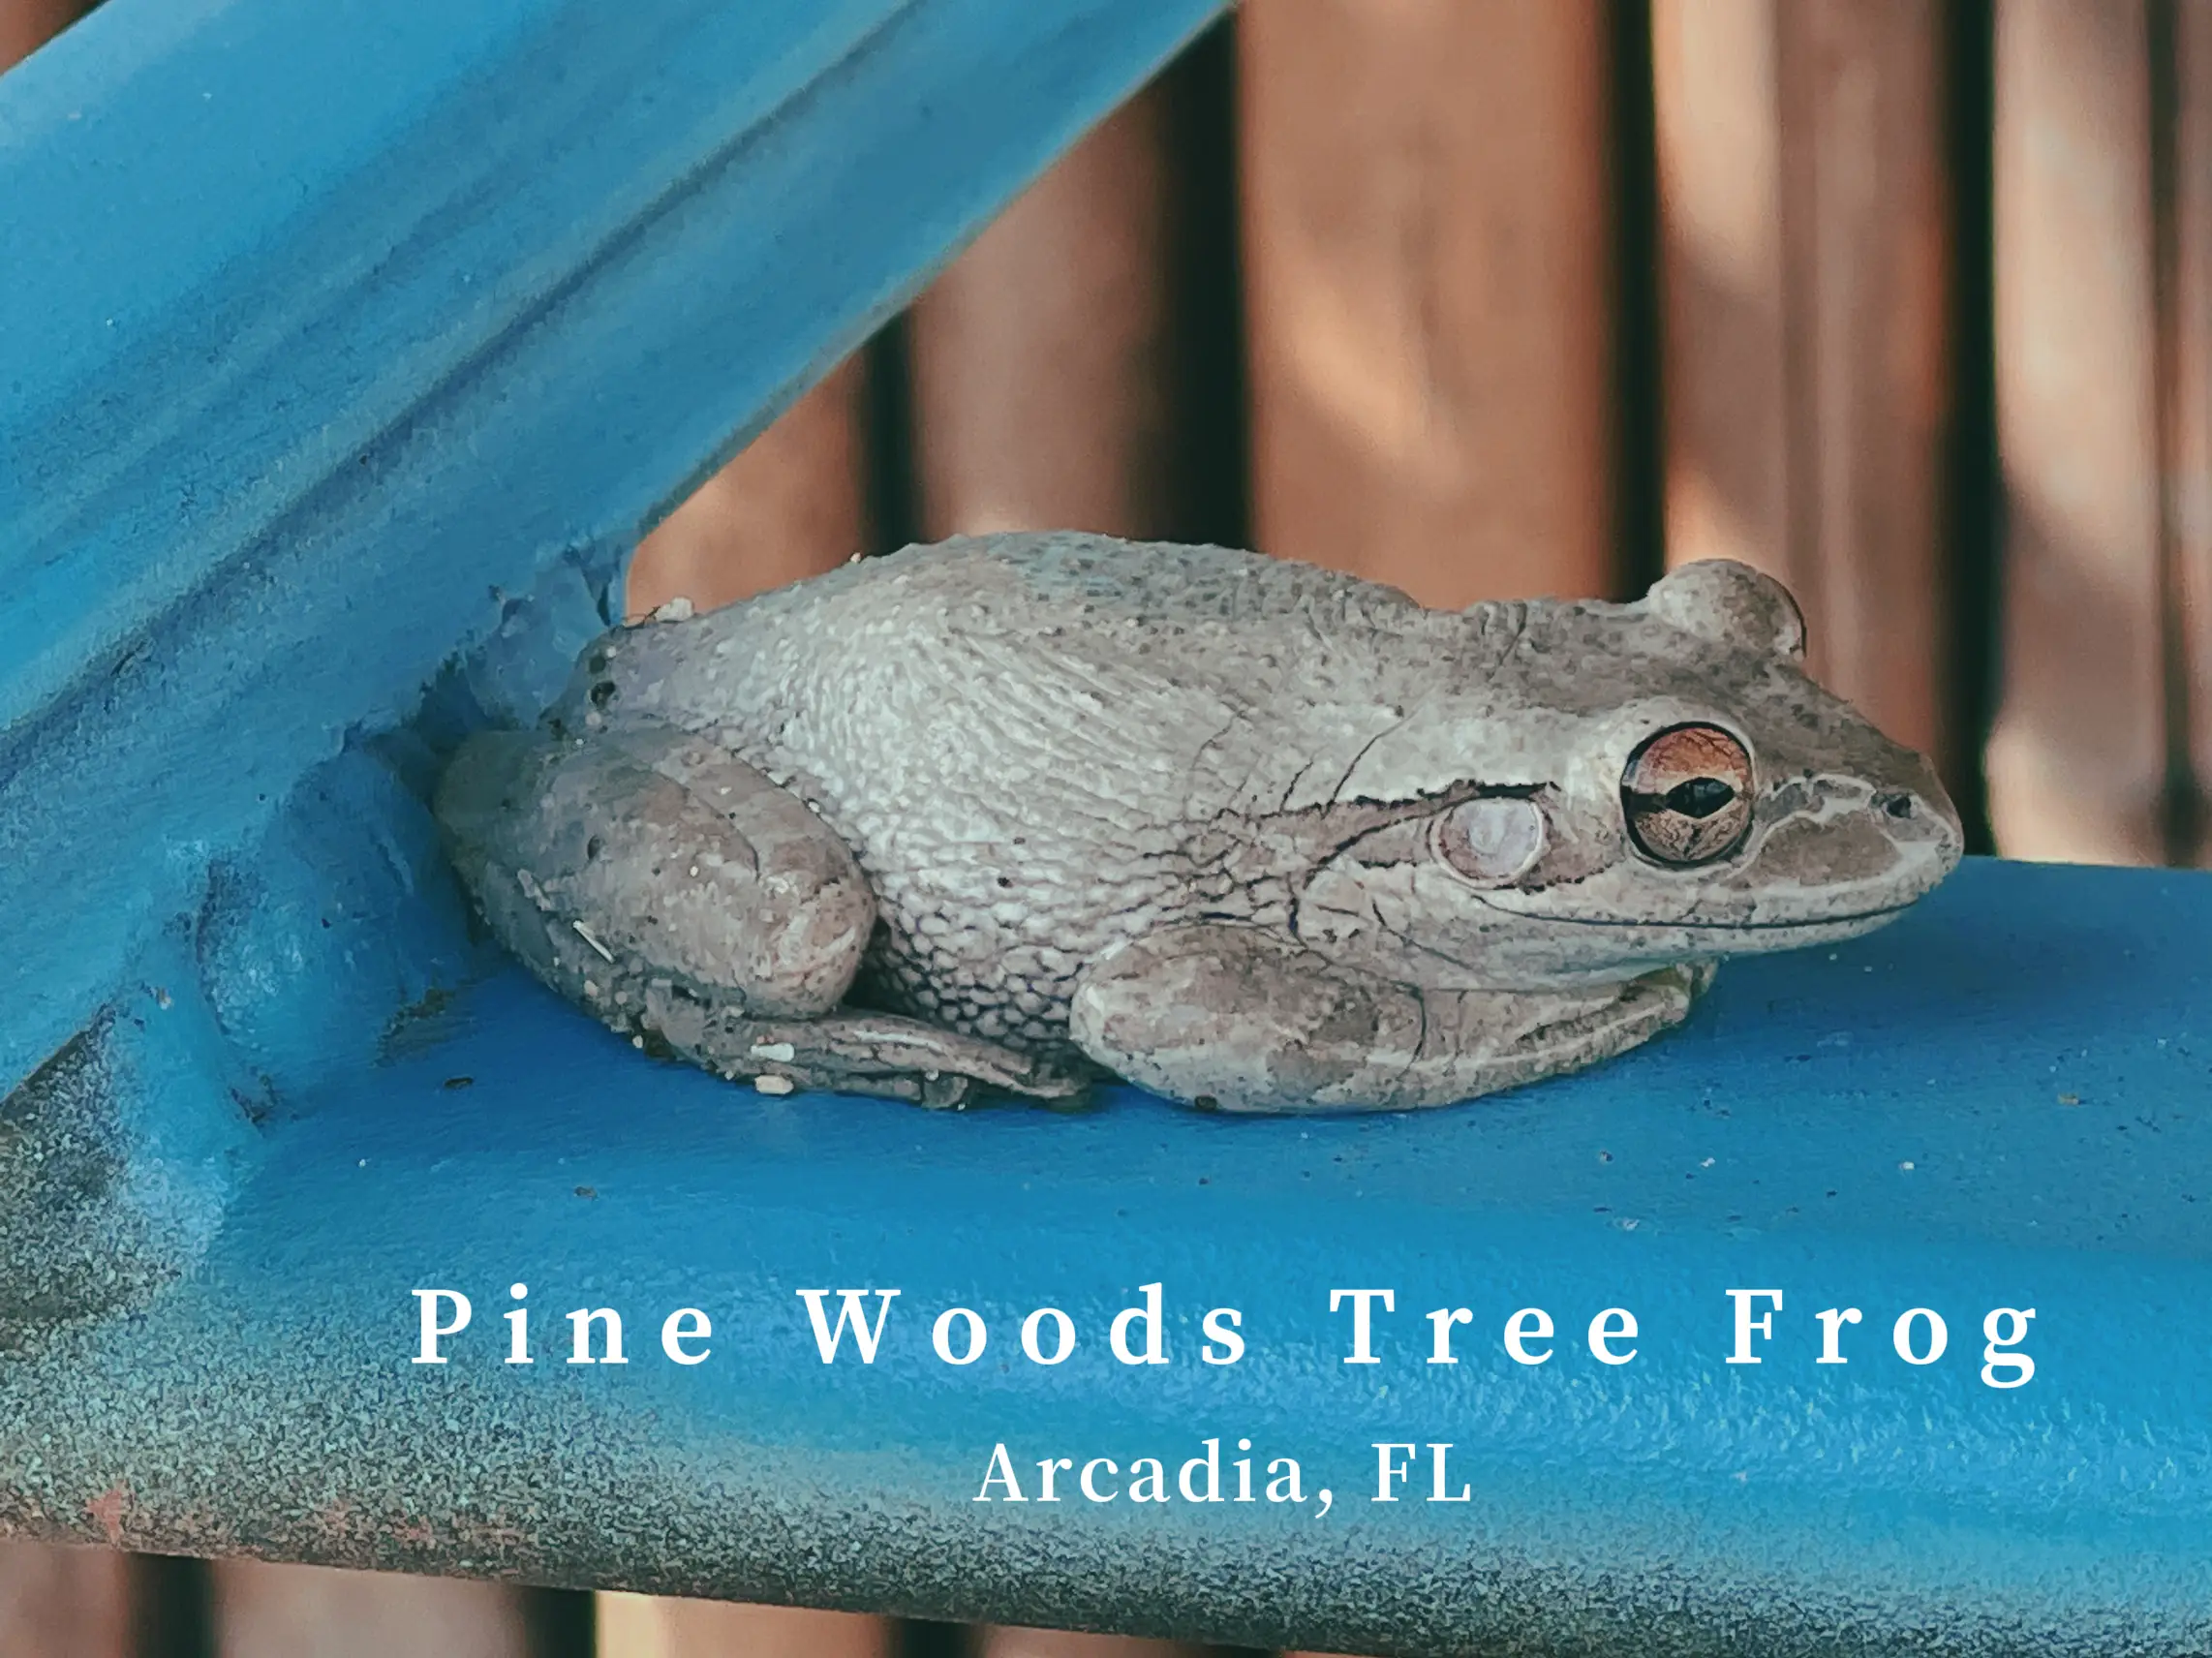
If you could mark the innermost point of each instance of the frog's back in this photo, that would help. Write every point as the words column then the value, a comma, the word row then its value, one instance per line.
column 1061, row 585
column 963, row 636
column 1016, row 734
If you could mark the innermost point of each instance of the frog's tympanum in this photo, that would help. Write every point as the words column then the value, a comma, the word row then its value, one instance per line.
column 993, row 815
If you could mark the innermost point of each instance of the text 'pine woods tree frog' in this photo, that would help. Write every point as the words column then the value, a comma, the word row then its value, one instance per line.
column 996, row 815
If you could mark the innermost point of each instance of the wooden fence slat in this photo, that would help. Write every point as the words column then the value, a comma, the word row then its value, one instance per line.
column 25, row 25
column 1871, row 256
column 59, row 1600
column 2187, row 353
column 1008, row 1642
column 263, row 1611
column 2076, row 760
column 1042, row 384
column 1718, row 118
column 1809, row 390
column 1428, row 260
column 791, row 504
column 642, row 1626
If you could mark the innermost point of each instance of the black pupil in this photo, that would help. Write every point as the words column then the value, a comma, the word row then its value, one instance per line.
column 1699, row 797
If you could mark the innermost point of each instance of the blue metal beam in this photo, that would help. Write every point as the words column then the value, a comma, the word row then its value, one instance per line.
column 2003, row 1101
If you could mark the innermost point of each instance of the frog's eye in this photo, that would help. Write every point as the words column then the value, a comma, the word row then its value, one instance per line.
column 1490, row 841
column 1687, row 795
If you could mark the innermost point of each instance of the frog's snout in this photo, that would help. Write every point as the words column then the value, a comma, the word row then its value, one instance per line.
column 1843, row 846
column 1927, row 819
column 1916, row 838
column 1922, row 819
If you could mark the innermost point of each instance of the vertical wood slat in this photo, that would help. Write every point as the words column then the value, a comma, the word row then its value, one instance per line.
column 25, row 25
column 2076, row 760
column 2185, row 348
column 640, row 1626
column 1428, row 252
column 1076, row 367
column 1718, row 117
column 265, row 1610
column 1008, row 1642
column 1873, row 257
column 1805, row 212
column 1043, row 393
column 791, row 504
column 63, row 1602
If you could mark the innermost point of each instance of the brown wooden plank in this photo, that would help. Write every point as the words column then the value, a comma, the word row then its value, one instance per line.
column 638, row 1626
column 1427, row 252
column 59, row 1601
column 1012, row 1642
column 2186, row 352
column 25, row 25
column 1805, row 213
column 1718, row 119
column 1042, row 384
column 263, row 1611
column 1870, row 272
column 792, row 504
column 2076, row 762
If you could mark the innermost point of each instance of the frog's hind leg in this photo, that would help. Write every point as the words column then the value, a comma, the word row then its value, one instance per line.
column 1244, row 1021
column 857, row 1052
column 646, row 853
column 678, row 893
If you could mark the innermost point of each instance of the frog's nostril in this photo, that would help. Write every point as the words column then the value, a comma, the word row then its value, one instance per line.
column 1895, row 805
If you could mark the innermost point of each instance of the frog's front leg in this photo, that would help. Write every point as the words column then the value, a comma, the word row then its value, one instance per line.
column 1242, row 1020
column 684, row 899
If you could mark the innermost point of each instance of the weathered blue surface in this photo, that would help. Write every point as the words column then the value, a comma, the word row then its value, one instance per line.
column 2003, row 1100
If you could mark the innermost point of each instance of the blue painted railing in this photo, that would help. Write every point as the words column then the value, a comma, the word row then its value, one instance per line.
column 345, row 349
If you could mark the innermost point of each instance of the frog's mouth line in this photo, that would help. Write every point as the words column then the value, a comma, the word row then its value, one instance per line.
column 1811, row 923
column 1864, row 919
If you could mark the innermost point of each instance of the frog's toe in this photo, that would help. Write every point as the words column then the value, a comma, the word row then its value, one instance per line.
column 1057, row 1079
column 1014, row 1077
column 1694, row 977
column 944, row 1090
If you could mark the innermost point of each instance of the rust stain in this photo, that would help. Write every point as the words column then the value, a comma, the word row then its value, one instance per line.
column 109, row 1508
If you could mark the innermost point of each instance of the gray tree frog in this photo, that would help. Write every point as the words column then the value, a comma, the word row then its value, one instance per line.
column 1005, row 813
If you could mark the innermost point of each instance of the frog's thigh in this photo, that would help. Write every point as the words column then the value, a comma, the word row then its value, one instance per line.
column 644, row 855
column 1250, row 1022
